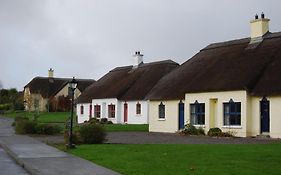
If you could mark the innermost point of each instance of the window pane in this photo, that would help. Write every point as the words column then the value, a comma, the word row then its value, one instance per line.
column 161, row 111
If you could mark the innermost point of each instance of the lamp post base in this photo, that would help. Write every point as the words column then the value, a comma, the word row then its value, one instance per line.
column 70, row 146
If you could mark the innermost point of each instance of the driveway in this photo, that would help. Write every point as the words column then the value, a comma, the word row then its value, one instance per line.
column 165, row 138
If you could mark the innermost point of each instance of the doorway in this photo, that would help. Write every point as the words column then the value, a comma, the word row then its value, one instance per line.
column 264, row 107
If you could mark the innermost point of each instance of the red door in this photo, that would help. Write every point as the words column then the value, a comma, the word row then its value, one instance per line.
column 125, row 112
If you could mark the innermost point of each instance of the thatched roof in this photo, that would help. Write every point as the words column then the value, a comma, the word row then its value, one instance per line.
column 126, row 83
column 48, row 87
column 227, row 66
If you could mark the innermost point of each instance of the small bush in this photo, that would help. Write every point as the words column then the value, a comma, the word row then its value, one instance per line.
column 103, row 120
column 25, row 127
column 94, row 121
column 189, row 129
column 92, row 133
column 47, row 129
column 76, row 139
column 214, row 132
column 109, row 122
column 201, row 131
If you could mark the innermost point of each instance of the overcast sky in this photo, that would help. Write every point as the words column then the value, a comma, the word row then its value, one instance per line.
column 88, row 38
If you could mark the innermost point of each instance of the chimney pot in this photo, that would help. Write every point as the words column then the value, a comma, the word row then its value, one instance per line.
column 256, row 16
column 262, row 15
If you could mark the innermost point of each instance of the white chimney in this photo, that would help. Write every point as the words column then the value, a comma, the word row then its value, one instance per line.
column 138, row 59
column 259, row 27
column 51, row 73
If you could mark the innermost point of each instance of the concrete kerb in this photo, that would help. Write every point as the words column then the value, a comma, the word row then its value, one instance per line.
column 18, row 160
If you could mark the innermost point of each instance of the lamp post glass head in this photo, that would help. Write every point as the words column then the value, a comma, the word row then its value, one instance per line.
column 73, row 83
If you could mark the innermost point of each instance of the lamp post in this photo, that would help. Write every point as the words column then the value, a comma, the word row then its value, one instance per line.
column 72, row 86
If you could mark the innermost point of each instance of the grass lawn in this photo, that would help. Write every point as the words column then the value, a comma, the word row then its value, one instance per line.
column 126, row 127
column 61, row 117
column 44, row 117
column 185, row 159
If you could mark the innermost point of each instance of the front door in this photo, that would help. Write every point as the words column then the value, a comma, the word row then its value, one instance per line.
column 264, row 106
column 181, row 115
column 125, row 112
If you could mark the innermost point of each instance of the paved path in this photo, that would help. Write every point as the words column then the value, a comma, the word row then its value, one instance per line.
column 8, row 166
column 40, row 159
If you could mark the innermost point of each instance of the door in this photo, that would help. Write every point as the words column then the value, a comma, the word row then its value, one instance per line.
column 125, row 112
column 264, row 107
column 181, row 115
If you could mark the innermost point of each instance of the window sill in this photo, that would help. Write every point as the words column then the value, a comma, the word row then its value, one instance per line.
column 161, row 119
column 199, row 126
column 232, row 127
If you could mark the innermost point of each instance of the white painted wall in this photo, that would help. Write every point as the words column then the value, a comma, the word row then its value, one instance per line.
column 104, row 108
column 86, row 114
column 134, row 118
column 170, row 123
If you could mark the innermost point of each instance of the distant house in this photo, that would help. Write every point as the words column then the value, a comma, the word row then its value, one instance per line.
column 119, row 95
column 42, row 92
column 233, row 85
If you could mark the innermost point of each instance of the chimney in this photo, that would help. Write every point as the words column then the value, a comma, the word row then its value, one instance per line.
column 51, row 73
column 138, row 59
column 259, row 27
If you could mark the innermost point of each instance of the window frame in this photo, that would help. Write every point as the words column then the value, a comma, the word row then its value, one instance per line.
column 97, row 110
column 161, row 111
column 111, row 111
column 138, row 109
column 81, row 109
column 232, row 114
column 197, row 115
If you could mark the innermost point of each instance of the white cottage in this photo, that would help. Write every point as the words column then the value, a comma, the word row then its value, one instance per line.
column 233, row 85
column 119, row 95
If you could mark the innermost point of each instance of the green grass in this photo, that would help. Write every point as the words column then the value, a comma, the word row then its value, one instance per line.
column 44, row 117
column 126, row 127
column 185, row 159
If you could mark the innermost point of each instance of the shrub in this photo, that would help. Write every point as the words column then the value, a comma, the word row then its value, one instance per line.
column 103, row 120
column 47, row 129
column 189, row 129
column 92, row 133
column 109, row 122
column 25, row 127
column 201, row 131
column 76, row 139
column 214, row 132
column 94, row 121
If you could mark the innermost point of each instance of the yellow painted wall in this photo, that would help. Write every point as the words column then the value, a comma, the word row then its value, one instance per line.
column 221, row 97
column 170, row 123
column 64, row 92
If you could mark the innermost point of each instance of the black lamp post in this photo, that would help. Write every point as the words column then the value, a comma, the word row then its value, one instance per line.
column 72, row 86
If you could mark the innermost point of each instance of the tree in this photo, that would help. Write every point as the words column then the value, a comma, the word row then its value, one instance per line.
column 1, row 85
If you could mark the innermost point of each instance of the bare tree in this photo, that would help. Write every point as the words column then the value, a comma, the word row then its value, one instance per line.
column 1, row 85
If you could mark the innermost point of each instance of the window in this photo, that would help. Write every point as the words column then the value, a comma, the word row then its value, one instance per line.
column 81, row 109
column 232, row 113
column 161, row 111
column 197, row 113
column 111, row 111
column 138, row 108
column 97, row 111
column 90, row 111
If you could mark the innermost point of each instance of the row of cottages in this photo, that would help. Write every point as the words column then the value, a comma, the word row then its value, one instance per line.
column 119, row 95
column 40, row 91
column 233, row 85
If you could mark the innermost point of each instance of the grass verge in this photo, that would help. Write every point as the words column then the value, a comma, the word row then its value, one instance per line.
column 185, row 159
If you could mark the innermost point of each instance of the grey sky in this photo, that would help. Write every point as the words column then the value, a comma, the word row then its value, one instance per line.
column 86, row 38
